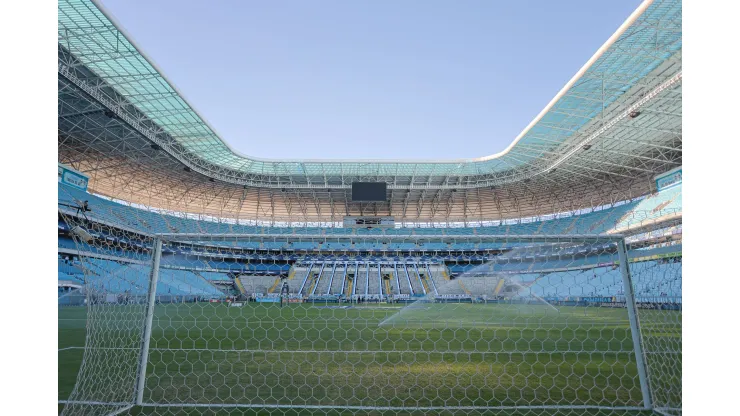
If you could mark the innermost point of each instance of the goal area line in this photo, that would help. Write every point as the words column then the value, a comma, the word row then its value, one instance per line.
column 428, row 352
column 375, row 408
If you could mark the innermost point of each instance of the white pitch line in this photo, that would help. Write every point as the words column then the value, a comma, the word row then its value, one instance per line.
column 262, row 351
column 392, row 408
column 588, row 323
column 70, row 348
column 377, row 408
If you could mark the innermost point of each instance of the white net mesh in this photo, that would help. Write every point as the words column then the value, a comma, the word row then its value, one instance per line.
column 369, row 324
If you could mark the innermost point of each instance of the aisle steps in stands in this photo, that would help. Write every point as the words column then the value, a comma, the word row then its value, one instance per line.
column 240, row 286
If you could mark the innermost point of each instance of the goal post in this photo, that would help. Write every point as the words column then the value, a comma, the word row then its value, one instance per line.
column 147, row 332
column 114, row 284
column 537, row 323
column 630, row 303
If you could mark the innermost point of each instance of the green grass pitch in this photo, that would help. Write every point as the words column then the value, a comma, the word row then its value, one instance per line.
column 427, row 355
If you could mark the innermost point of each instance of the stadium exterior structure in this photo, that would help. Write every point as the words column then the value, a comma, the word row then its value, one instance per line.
column 601, row 140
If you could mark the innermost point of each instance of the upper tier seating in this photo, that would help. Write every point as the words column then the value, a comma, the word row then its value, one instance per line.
column 602, row 221
column 661, row 204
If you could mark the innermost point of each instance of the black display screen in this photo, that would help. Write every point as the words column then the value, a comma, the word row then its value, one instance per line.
column 368, row 191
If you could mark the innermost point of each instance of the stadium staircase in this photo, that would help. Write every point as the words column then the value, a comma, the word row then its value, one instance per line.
column 401, row 281
column 571, row 226
column 429, row 277
column 324, row 281
column 337, row 280
column 361, row 282
column 240, row 286
column 274, row 285
column 597, row 224
column 438, row 278
column 465, row 289
column 499, row 286
column 666, row 202
column 314, row 280
column 424, row 283
column 348, row 288
column 415, row 282
column 373, row 288
column 539, row 229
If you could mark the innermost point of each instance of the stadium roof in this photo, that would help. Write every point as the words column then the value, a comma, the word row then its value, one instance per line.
column 587, row 137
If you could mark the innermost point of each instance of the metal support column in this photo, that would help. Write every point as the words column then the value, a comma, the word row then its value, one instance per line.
column 355, row 279
column 367, row 279
column 408, row 279
column 331, row 279
column 344, row 279
column 634, row 324
column 151, row 298
column 380, row 280
column 318, row 279
column 305, row 279
column 429, row 273
column 418, row 276
column 398, row 281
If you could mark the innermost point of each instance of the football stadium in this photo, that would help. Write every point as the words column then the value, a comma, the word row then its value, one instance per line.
column 542, row 280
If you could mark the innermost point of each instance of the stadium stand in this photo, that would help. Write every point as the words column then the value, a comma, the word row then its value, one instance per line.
column 535, row 243
column 257, row 284
column 213, row 276
column 623, row 216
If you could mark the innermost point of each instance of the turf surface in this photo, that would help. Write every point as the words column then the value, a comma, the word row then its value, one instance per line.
column 427, row 355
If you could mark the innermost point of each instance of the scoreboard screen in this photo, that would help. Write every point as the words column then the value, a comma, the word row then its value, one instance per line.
column 369, row 191
column 369, row 222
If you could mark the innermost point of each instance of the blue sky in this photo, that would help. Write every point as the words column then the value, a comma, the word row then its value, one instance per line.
column 406, row 79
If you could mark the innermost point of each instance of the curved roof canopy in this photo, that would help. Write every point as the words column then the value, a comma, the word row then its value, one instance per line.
column 588, row 143
column 93, row 37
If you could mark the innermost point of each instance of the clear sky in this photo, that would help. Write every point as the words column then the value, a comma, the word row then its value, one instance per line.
column 403, row 79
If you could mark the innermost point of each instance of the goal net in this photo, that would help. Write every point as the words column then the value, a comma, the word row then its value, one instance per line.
column 216, row 318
